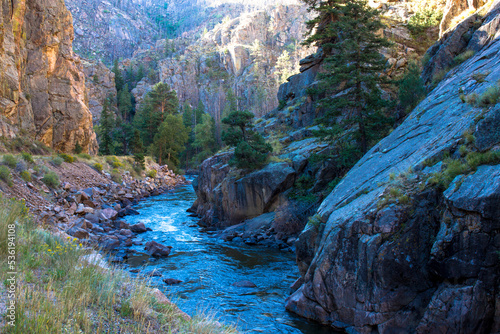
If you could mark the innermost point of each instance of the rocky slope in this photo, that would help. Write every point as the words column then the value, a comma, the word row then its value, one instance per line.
column 394, row 253
column 42, row 85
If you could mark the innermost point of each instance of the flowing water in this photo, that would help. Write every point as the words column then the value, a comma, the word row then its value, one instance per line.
column 208, row 267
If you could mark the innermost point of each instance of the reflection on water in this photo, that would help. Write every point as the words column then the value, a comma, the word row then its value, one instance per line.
column 209, row 266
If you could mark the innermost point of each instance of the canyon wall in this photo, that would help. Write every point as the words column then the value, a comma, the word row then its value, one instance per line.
column 42, row 85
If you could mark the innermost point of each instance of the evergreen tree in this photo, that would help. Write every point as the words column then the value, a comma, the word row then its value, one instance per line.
column 284, row 67
column 157, row 103
column 105, row 132
column 125, row 103
column 119, row 82
column 347, row 32
column 136, row 144
column 169, row 140
column 78, row 148
column 204, row 138
column 251, row 150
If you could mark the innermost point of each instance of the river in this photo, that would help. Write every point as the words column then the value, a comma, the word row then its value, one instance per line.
column 208, row 267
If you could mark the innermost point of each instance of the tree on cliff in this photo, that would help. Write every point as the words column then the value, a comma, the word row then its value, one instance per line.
column 350, row 85
column 204, row 138
column 251, row 150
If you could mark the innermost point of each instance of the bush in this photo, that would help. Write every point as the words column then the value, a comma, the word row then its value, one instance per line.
column 411, row 88
column 115, row 176
column 68, row 158
column 57, row 161
column 423, row 20
column 462, row 57
column 51, row 179
column 490, row 97
column 114, row 162
column 10, row 160
column 27, row 157
column 5, row 175
column 98, row 167
column 78, row 148
column 151, row 173
column 26, row 176
column 84, row 156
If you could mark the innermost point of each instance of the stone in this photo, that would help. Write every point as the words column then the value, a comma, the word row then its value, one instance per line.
column 109, row 242
column 109, row 214
column 171, row 281
column 77, row 232
column 244, row 284
column 156, row 249
column 126, row 233
column 138, row 228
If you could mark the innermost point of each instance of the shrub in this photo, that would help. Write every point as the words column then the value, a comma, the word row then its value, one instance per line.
column 27, row 157
column 84, row 156
column 490, row 97
column 411, row 88
column 423, row 20
column 51, row 179
column 115, row 176
column 78, row 148
column 10, row 160
column 476, row 159
column 152, row 173
column 462, row 57
column 68, row 158
column 57, row 161
column 114, row 162
column 98, row 167
column 20, row 166
column 26, row 176
column 5, row 175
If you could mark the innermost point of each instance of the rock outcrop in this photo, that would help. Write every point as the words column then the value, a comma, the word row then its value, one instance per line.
column 100, row 84
column 429, row 261
column 42, row 86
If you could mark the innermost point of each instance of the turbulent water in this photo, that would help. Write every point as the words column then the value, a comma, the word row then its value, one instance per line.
column 209, row 266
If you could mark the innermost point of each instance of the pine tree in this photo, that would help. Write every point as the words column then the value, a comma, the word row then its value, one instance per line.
column 169, row 140
column 125, row 103
column 119, row 82
column 350, row 83
column 283, row 68
column 204, row 138
column 251, row 150
column 105, row 131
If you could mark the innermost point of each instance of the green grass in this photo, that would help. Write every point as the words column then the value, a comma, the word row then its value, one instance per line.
column 61, row 288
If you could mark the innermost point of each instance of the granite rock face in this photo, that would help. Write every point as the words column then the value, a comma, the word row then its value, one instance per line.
column 431, row 266
column 100, row 84
column 42, row 85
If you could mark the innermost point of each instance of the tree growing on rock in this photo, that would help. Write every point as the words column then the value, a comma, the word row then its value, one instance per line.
column 355, row 115
column 251, row 150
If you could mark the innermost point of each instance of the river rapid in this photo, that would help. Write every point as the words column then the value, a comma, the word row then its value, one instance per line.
column 209, row 266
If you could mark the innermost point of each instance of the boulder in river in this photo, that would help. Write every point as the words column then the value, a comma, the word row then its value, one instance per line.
column 244, row 284
column 138, row 228
column 157, row 250
column 171, row 281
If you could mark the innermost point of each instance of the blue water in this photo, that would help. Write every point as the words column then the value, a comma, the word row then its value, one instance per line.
column 209, row 266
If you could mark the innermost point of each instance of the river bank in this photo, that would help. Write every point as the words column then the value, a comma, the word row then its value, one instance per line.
column 66, row 284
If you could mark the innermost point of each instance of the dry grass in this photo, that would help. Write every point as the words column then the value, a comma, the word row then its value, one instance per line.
column 64, row 288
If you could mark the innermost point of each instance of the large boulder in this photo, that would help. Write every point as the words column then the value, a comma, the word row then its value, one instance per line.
column 156, row 249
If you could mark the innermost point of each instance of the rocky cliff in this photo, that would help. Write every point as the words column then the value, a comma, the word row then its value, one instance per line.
column 42, row 90
column 397, row 248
